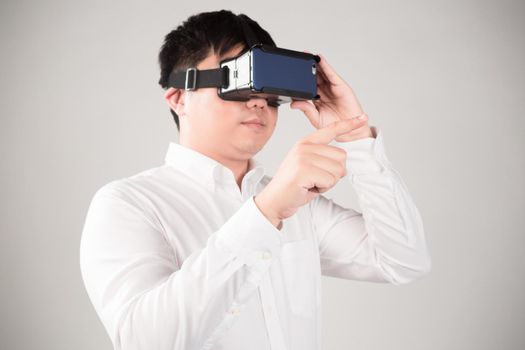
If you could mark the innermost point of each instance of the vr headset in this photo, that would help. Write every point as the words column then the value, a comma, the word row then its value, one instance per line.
column 264, row 71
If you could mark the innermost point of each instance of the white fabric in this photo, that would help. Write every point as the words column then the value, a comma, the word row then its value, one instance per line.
column 178, row 257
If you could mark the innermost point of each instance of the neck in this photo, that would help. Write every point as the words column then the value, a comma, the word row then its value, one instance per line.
column 238, row 167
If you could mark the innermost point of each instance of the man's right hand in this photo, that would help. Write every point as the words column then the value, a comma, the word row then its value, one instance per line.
column 310, row 168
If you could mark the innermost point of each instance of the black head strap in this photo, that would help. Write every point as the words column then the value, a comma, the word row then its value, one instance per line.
column 192, row 78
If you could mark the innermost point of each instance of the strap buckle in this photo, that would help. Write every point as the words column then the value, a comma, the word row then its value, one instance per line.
column 194, row 79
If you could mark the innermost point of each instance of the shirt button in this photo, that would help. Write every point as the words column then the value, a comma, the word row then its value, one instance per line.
column 266, row 256
column 234, row 311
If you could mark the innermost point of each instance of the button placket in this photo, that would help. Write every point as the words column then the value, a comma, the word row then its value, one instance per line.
column 273, row 323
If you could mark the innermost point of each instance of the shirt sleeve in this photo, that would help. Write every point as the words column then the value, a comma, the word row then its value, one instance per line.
column 146, row 301
column 386, row 242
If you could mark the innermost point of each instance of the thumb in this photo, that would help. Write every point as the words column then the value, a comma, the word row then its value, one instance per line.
column 309, row 109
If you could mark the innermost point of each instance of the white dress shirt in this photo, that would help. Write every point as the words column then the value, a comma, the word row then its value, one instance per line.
column 178, row 257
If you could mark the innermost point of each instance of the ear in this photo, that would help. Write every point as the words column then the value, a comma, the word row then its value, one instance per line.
column 175, row 99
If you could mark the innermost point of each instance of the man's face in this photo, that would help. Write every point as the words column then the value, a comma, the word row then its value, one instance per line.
column 214, row 125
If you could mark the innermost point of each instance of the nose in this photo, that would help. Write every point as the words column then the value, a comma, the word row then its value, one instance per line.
column 257, row 102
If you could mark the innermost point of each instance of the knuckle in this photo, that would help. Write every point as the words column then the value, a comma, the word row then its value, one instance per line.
column 301, row 142
column 334, row 181
column 298, row 148
column 302, row 145
column 343, row 171
column 301, row 158
column 342, row 153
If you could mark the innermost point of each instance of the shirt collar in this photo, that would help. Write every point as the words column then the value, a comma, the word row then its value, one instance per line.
column 208, row 171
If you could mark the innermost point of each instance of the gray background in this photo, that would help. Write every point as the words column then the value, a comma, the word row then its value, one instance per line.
column 444, row 80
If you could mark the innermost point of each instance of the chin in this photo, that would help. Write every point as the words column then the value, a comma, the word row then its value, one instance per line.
column 251, row 146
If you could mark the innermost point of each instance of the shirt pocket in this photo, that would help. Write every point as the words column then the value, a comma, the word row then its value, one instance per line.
column 298, row 268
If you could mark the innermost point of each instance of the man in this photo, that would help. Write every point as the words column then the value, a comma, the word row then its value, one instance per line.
column 208, row 252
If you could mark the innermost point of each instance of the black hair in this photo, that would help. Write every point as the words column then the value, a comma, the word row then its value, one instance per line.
column 201, row 34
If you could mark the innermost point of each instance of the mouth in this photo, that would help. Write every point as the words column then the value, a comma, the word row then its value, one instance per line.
column 254, row 125
column 253, row 122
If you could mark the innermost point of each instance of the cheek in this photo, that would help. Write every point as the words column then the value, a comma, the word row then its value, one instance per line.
column 211, row 113
column 227, row 113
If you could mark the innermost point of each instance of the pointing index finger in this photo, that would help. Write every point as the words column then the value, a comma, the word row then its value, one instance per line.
column 331, row 131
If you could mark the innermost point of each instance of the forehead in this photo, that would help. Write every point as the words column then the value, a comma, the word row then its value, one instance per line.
column 213, row 60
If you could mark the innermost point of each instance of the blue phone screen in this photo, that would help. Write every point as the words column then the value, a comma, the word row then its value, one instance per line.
column 283, row 72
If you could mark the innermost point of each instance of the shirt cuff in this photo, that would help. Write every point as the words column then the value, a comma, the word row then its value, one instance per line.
column 248, row 230
column 366, row 155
